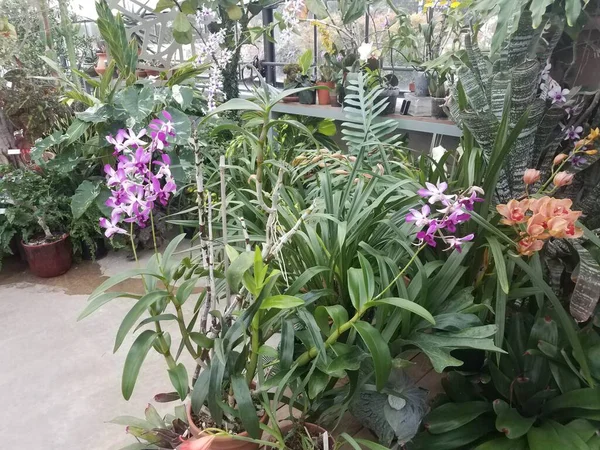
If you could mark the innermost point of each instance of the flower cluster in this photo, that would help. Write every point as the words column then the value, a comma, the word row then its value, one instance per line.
column 452, row 210
column 291, row 11
column 211, row 51
column 142, row 176
column 551, row 90
column 537, row 220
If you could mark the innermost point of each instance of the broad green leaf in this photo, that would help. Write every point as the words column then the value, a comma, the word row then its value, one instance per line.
column 317, row 7
column 135, row 358
column 586, row 398
column 179, row 379
column 314, row 331
column 303, row 279
column 134, row 314
column 201, row 339
column 84, row 196
column 153, row 319
column 338, row 314
column 245, row 406
column 234, row 104
column 451, row 416
column 347, row 361
column 286, row 347
column 182, row 124
column 76, row 130
column 164, row 4
column 380, row 352
column 503, row 443
column 455, row 439
column 182, row 29
column 281, row 302
column 357, row 288
column 237, row 268
column 404, row 304
column 130, row 421
column 138, row 103
column 185, row 290
column 510, row 422
column 317, row 383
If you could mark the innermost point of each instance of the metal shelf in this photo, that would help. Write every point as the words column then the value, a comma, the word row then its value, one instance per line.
column 429, row 125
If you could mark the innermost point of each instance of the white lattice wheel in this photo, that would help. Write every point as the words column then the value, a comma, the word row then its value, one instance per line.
column 158, row 44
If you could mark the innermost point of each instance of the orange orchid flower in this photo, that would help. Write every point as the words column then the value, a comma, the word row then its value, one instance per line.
column 513, row 212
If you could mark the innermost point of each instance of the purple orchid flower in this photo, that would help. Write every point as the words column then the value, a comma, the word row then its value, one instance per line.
column 114, row 177
column 456, row 218
column 134, row 140
column 469, row 202
column 456, row 243
column 111, row 226
column 436, row 193
column 419, row 218
column 573, row 134
column 558, row 95
column 428, row 236
column 577, row 161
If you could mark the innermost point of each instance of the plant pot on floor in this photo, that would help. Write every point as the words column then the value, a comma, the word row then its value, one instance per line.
column 307, row 97
column 49, row 259
column 223, row 442
column 324, row 95
column 314, row 430
column 87, row 254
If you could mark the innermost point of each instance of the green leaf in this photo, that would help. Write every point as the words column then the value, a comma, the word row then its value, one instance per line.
column 357, row 288
column 565, row 320
column 245, row 406
column 510, row 422
column 164, row 4
column 553, row 436
column 303, row 279
column 404, row 304
column 138, row 103
column 165, row 261
column 327, row 127
column 499, row 262
column 314, row 331
column 134, row 314
column 338, row 314
column 380, row 352
column 305, row 61
column 286, row 347
column 182, row 29
column 182, row 124
column 503, row 443
column 317, row 7
column 573, row 10
column 281, row 302
column 188, row 7
column 76, row 130
column 116, row 279
column 84, row 196
column 179, row 379
column 317, row 383
column 101, row 300
column 184, row 95
column 154, row 319
column 201, row 339
column 95, row 114
column 347, row 361
column 586, row 398
column 200, row 391
column 451, row 416
column 234, row 104
column 455, row 439
column 236, row 270
column 135, row 358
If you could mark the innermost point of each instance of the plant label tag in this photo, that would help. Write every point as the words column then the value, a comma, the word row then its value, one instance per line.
column 14, row 151
column 9, row 84
column 2, row 210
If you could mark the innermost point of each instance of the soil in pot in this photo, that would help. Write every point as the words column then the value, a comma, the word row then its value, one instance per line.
column 295, row 436
column 49, row 257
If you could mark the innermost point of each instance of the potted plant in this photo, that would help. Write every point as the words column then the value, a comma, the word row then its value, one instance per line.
column 327, row 75
column 304, row 79
column 371, row 65
column 39, row 210
column 290, row 71
column 101, row 61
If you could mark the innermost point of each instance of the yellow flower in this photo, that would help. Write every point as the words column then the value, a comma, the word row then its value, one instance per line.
column 454, row 4
column 591, row 152
column 594, row 134
column 428, row 4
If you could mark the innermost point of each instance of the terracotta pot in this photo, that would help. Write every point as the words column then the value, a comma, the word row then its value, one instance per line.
column 141, row 73
column 153, row 73
column 291, row 99
column 223, row 442
column 324, row 94
column 286, row 426
column 101, row 64
column 49, row 260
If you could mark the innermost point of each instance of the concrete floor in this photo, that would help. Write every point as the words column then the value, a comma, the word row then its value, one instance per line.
column 60, row 383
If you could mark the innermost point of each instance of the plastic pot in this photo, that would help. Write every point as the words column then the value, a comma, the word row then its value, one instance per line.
column 291, row 99
column 223, row 442
column 324, row 94
column 287, row 426
column 49, row 259
column 307, row 97
column 392, row 96
column 100, row 252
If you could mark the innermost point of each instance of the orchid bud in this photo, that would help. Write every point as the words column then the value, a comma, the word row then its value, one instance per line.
column 559, row 158
column 531, row 176
column 591, row 152
column 563, row 179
